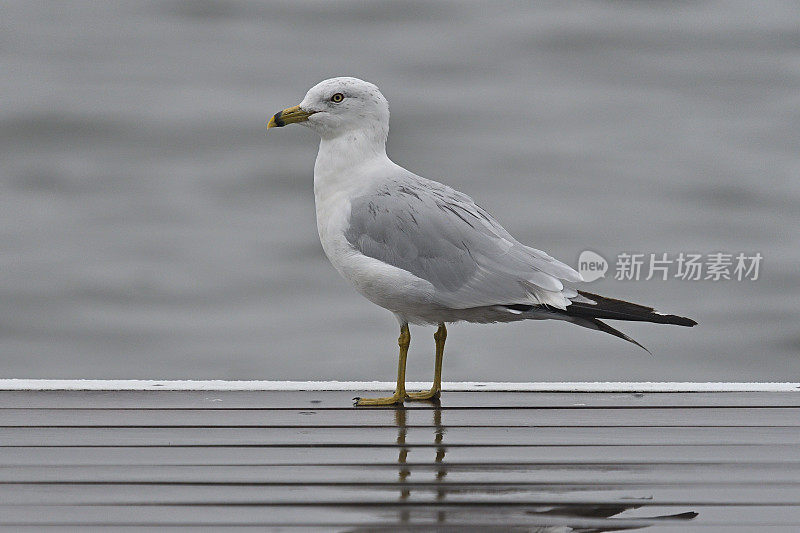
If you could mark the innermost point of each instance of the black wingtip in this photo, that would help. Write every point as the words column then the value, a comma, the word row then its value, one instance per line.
column 680, row 321
column 613, row 309
column 605, row 328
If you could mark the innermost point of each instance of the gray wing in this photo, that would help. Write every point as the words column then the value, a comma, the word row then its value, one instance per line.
column 441, row 235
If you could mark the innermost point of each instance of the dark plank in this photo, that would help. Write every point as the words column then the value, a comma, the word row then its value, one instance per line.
column 383, row 436
column 376, row 495
column 488, row 455
column 343, row 399
column 468, row 513
column 446, row 417
column 366, row 473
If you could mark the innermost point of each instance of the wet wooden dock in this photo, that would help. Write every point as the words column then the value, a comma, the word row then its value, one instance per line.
column 479, row 461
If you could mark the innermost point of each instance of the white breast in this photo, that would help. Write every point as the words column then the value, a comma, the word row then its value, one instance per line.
column 390, row 287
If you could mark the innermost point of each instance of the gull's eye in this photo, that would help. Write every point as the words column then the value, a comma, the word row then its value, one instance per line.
column 336, row 98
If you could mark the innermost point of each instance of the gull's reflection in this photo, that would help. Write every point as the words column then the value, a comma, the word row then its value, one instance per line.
column 403, row 470
column 402, row 457
column 441, row 468
column 437, row 515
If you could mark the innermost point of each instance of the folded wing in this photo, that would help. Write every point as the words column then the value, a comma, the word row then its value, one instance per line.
column 443, row 237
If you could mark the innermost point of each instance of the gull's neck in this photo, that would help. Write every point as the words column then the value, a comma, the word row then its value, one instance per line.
column 343, row 161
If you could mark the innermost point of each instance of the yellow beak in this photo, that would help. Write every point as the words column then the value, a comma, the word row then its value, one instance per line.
column 289, row 116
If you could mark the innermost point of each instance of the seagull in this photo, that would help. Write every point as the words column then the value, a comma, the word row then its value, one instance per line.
column 422, row 250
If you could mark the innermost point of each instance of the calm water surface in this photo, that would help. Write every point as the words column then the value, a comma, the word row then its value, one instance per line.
column 148, row 229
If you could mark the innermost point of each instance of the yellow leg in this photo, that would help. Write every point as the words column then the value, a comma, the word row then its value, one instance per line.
column 440, row 336
column 400, row 391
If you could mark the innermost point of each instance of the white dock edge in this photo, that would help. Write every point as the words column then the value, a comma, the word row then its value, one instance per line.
column 464, row 386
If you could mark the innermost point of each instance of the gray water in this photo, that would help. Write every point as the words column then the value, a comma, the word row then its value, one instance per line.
column 149, row 229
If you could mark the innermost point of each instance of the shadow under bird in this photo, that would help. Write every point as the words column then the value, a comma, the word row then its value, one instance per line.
column 422, row 250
